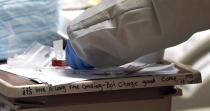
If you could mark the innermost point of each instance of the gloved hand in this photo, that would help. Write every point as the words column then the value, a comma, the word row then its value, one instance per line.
column 118, row 31
column 73, row 60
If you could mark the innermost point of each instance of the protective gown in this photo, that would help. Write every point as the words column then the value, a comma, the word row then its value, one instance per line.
column 117, row 32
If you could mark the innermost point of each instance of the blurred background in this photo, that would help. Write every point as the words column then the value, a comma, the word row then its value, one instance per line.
column 194, row 52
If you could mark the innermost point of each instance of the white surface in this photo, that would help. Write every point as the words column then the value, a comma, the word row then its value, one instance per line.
column 62, row 75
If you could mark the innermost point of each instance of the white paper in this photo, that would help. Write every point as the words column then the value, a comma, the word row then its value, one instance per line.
column 57, row 76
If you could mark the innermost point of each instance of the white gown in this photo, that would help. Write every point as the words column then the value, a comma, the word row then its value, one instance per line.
column 116, row 32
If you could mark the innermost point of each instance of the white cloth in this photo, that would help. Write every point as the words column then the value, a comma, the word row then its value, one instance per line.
column 116, row 32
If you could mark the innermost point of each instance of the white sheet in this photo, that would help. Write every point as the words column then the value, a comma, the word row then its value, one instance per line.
column 57, row 76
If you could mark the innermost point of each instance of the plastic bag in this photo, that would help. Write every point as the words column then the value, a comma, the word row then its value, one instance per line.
column 24, row 21
column 35, row 56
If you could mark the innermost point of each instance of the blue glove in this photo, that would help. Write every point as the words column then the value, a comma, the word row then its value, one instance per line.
column 73, row 60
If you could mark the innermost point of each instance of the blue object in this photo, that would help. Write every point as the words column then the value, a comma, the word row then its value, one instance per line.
column 73, row 60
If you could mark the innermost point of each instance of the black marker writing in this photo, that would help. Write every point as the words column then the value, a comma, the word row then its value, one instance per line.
column 74, row 86
column 27, row 91
column 146, row 82
column 173, row 78
column 60, row 88
column 110, row 84
column 128, row 84
column 40, row 90
column 92, row 86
